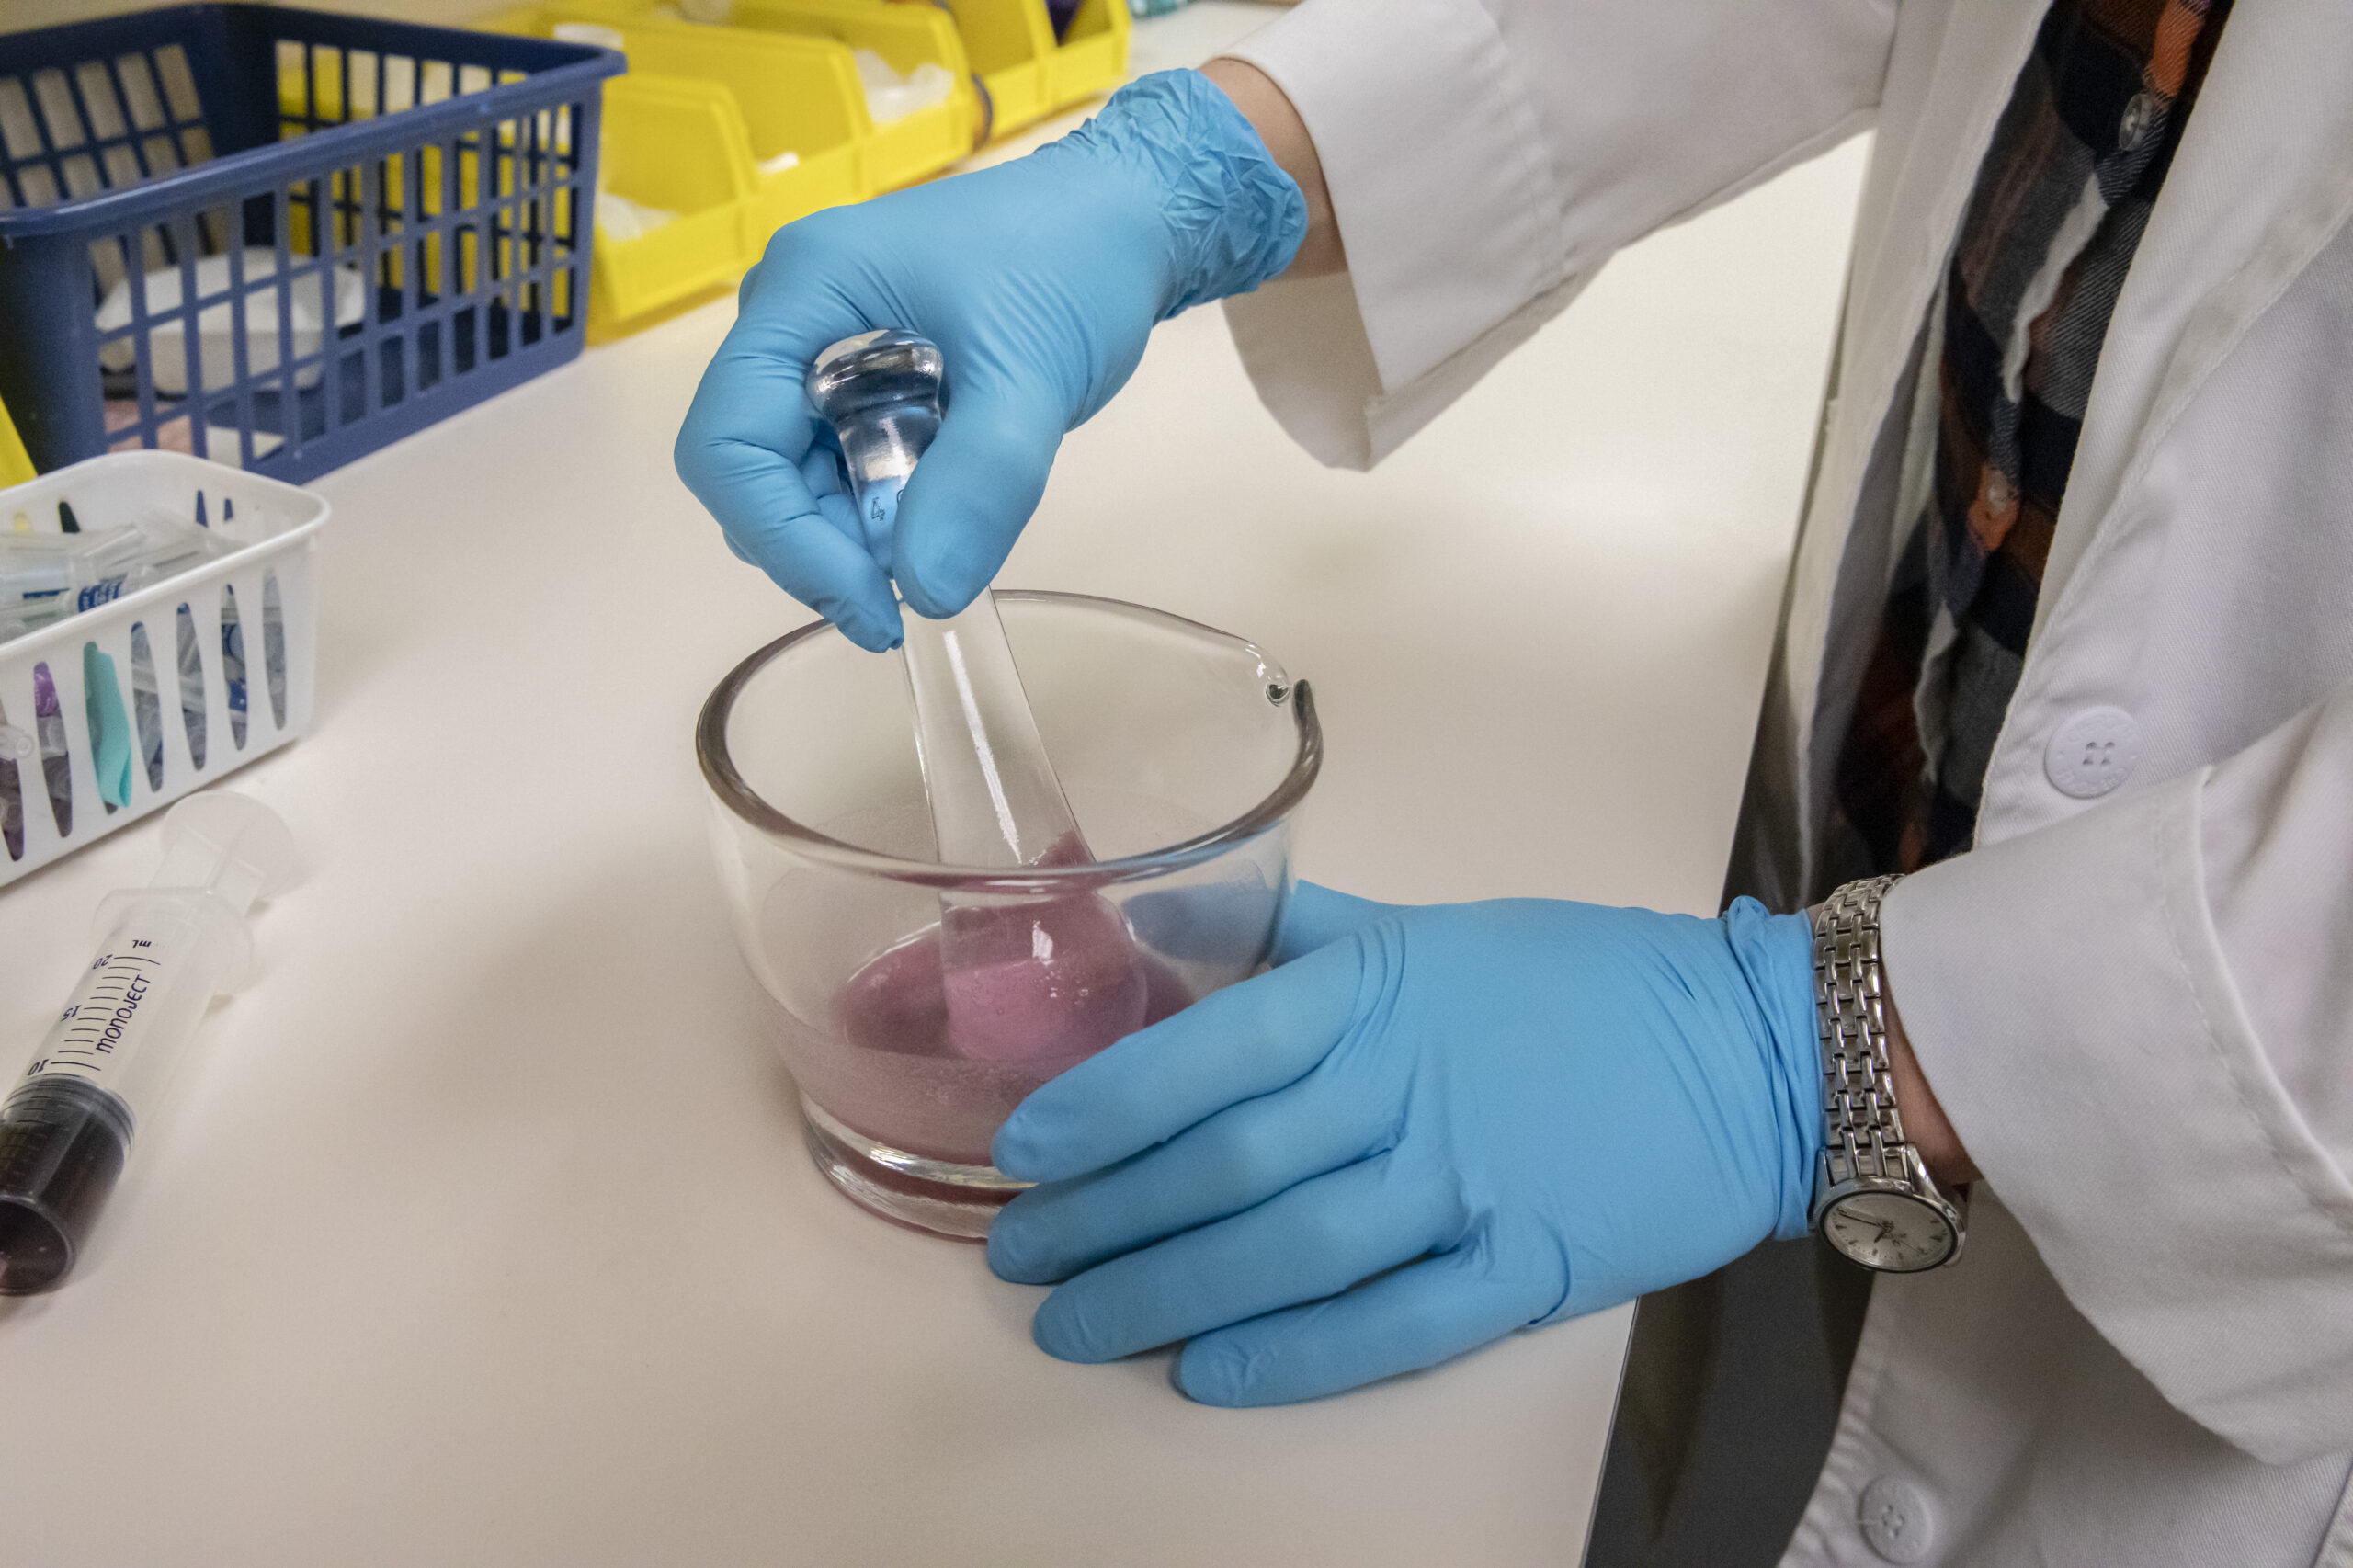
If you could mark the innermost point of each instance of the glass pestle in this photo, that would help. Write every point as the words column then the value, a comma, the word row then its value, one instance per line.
column 994, row 799
column 1026, row 981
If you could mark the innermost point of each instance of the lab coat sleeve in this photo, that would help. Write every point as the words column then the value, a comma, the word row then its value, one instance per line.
column 1486, row 157
column 2140, row 1020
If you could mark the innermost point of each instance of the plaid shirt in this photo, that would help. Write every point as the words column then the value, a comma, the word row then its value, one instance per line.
column 2061, row 202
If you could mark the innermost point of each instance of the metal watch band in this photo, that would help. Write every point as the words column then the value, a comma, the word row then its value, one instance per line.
column 1862, row 1130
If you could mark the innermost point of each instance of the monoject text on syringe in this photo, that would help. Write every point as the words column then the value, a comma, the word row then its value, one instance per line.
column 166, row 949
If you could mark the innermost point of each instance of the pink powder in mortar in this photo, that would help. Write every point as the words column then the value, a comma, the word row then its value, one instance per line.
column 1054, row 977
column 1056, row 980
column 948, row 1030
column 902, row 1074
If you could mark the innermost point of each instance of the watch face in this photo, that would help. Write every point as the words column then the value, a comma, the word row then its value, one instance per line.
column 1889, row 1230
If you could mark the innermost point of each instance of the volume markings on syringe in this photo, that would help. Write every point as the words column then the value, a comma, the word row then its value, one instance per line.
column 100, row 1015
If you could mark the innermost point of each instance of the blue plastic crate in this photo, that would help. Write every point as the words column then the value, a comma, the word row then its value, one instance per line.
column 281, row 238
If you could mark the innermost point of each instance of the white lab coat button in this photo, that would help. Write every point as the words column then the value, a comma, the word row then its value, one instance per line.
column 1895, row 1520
column 2092, row 753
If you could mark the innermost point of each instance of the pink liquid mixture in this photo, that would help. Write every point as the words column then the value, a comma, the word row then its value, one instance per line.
column 931, row 1059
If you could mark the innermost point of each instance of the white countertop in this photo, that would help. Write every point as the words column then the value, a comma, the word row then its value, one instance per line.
column 479, row 1230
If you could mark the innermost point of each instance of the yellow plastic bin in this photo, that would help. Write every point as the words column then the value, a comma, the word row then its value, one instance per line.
column 15, row 464
column 894, row 153
column 1028, row 75
column 700, row 131
column 677, row 145
column 913, row 146
column 1092, row 57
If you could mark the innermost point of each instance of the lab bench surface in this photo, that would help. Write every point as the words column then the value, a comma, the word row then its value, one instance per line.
column 478, row 1230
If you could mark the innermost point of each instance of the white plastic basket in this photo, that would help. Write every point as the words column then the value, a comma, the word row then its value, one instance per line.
column 187, row 725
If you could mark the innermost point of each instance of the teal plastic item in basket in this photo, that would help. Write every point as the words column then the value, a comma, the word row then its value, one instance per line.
column 109, row 727
column 280, row 238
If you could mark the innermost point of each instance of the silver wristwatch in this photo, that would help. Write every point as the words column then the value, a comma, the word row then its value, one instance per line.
column 1872, row 1198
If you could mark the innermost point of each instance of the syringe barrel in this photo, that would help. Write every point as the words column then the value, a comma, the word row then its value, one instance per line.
column 128, row 1022
column 62, row 1144
column 66, row 1129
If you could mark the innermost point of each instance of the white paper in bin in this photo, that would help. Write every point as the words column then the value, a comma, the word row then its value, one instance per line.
column 278, row 526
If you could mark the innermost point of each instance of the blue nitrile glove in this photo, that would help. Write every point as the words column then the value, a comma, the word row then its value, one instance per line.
column 1040, row 279
column 1427, row 1128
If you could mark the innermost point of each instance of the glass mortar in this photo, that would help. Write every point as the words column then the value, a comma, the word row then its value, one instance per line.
column 1186, row 754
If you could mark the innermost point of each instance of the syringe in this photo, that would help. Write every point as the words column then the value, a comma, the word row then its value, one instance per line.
column 167, row 948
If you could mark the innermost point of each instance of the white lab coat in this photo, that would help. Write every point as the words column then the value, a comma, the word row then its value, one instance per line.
column 2137, row 1009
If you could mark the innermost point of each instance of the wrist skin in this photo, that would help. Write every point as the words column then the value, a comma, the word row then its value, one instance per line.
column 1924, row 1119
column 1270, row 114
